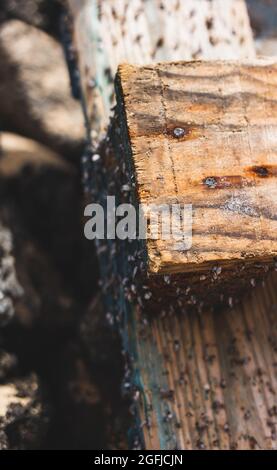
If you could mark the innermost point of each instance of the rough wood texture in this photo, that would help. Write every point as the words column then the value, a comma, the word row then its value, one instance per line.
column 209, row 381
column 224, row 164
column 197, row 381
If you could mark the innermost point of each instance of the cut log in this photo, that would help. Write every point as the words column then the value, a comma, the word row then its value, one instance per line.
column 204, row 133
column 197, row 380
column 201, row 135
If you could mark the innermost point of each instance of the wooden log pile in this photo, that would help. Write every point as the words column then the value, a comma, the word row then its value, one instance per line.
column 205, row 379
column 197, row 377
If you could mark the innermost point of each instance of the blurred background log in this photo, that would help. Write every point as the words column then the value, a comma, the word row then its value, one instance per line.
column 35, row 90
column 46, row 265
column 43, row 14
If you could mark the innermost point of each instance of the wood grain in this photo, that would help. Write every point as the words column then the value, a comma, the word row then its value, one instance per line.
column 209, row 380
column 225, row 164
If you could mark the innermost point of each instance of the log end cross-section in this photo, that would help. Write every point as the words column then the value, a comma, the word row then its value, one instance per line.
column 203, row 135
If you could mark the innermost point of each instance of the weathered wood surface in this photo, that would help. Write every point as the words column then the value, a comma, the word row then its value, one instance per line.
column 198, row 381
column 223, row 163
column 209, row 380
